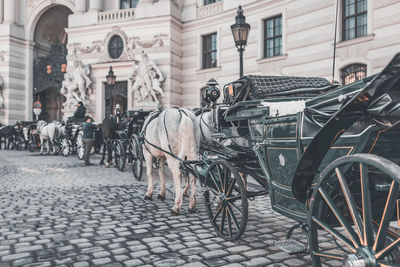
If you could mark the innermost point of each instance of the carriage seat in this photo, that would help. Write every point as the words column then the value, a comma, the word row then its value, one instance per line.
column 258, row 87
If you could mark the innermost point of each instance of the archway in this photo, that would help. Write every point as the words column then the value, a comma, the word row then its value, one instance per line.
column 50, row 60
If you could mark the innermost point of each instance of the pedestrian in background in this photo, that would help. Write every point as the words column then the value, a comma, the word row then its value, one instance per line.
column 88, row 138
column 80, row 111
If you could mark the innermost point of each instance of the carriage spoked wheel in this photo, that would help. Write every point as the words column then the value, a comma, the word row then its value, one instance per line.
column 135, row 152
column 32, row 143
column 226, row 200
column 19, row 143
column 354, row 202
column 65, row 147
column 120, row 155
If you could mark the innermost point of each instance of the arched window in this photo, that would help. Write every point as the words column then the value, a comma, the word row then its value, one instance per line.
column 115, row 46
column 352, row 73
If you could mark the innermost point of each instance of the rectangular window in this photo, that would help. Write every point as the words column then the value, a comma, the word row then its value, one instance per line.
column 208, row 2
column 209, row 51
column 354, row 19
column 128, row 4
column 273, row 37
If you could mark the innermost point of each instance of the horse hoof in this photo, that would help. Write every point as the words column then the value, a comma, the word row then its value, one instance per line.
column 174, row 212
column 192, row 210
column 146, row 197
column 107, row 165
column 161, row 197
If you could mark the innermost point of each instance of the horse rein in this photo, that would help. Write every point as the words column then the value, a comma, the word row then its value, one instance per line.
column 155, row 115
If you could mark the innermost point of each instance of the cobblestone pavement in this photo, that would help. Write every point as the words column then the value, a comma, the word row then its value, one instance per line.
column 54, row 211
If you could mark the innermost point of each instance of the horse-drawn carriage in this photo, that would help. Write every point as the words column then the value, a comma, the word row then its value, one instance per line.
column 327, row 155
column 126, row 145
column 72, row 141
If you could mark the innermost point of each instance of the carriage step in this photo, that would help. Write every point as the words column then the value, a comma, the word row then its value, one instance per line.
column 291, row 246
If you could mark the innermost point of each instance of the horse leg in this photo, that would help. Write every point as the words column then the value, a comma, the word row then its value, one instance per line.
column 192, row 202
column 109, row 153
column 177, row 176
column 41, row 145
column 186, row 188
column 149, row 168
column 162, row 179
column 103, row 154
column 48, row 146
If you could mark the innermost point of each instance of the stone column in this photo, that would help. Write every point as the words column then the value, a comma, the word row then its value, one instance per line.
column 95, row 5
column 1, row 11
column 80, row 6
column 9, row 11
column 29, row 48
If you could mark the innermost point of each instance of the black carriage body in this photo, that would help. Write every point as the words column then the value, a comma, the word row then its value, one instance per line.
column 293, row 149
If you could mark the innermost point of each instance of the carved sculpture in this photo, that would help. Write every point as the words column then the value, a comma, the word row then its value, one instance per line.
column 75, row 84
column 147, row 79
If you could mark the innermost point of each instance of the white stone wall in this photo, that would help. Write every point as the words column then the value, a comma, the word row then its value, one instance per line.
column 308, row 30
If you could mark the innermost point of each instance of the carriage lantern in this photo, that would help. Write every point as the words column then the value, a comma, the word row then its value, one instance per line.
column 240, row 31
column 210, row 92
column 111, row 82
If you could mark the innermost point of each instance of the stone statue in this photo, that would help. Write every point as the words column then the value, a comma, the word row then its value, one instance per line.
column 147, row 79
column 75, row 84
column 2, row 100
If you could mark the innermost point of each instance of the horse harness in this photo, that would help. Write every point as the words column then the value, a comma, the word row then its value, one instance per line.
column 152, row 117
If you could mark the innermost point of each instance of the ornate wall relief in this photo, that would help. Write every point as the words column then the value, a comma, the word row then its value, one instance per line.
column 76, row 83
column 135, row 42
column 3, row 55
column 146, row 79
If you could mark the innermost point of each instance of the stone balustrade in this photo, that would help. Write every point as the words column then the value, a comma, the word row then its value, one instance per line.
column 115, row 15
column 208, row 10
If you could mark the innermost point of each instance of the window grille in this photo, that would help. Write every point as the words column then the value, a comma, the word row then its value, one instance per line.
column 353, row 73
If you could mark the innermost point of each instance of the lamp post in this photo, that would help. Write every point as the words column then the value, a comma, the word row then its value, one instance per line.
column 240, row 31
column 111, row 82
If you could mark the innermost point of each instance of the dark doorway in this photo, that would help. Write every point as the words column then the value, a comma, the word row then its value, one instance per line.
column 120, row 96
column 51, row 104
column 50, row 62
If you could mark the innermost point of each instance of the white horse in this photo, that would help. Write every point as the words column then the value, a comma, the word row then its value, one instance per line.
column 48, row 132
column 172, row 134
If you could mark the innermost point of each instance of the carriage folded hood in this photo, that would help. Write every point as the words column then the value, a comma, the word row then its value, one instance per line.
column 379, row 100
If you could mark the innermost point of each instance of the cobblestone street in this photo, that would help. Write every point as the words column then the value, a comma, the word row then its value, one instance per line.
column 55, row 211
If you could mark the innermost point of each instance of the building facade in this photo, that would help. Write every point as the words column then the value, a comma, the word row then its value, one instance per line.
column 51, row 47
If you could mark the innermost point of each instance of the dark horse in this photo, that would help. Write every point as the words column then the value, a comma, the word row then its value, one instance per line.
column 7, row 133
column 109, row 129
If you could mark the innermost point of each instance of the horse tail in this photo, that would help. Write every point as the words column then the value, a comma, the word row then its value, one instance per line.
column 188, row 137
column 56, row 132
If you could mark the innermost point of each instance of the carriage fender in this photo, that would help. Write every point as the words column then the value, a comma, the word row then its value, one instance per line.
column 379, row 100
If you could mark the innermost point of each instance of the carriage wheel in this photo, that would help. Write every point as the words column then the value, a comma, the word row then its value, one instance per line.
column 120, row 155
column 226, row 200
column 354, row 202
column 135, row 152
column 65, row 147
column 20, row 143
column 80, row 148
column 32, row 143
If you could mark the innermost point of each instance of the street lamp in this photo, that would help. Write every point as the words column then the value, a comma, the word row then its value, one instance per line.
column 240, row 31
column 111, row 82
